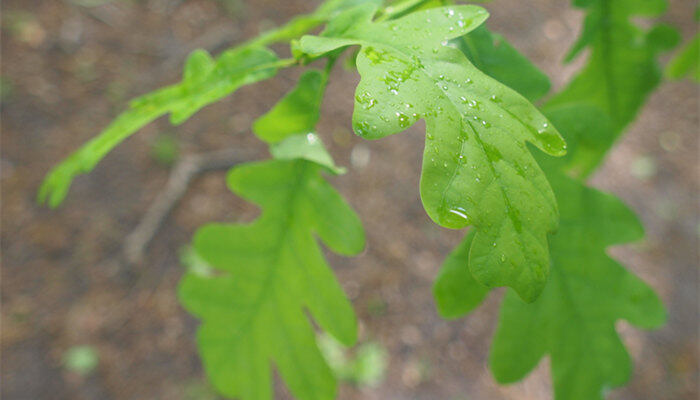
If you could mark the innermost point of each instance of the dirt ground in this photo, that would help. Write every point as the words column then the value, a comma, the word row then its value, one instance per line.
column 70, row 68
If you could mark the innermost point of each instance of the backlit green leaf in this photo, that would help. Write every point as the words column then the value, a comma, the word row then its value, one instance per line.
column 266, row 274
column 297, row 112
column 308, row 147
column 476, row 167
column 205, row 81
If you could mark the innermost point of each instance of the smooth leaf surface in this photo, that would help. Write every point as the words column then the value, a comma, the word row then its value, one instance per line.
column 308, row 147
column 266, row 274
column 589, row 133
column 573, row 321
column 297, row 112
column 476, row 167
column 205, row 81
column 455, row 290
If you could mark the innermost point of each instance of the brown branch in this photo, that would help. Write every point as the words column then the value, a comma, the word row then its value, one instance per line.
column 178, row 182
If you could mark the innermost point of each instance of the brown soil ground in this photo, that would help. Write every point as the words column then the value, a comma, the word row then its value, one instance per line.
column 72, row 68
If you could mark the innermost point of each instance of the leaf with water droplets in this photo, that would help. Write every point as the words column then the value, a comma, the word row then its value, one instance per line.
column 476, row 167
column 264, row 275
column 573, row 321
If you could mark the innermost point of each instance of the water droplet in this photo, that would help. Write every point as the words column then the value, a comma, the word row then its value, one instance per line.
column 362, row 128
column 460, row 213
column 404, row 120
column 377, row 56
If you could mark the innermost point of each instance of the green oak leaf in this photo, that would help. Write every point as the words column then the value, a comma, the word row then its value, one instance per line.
column 589, row 129
column 573, row 321
column 476, row 167
column 265, row 274
column 205, row 81
column 289, row 126
column 297, row 112
column 622, row 68
column 455, row 290
column 308, row 147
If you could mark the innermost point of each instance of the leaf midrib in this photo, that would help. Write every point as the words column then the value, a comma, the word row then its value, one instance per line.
column 364, row 43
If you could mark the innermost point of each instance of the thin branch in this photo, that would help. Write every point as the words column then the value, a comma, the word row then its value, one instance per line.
column 178, row 182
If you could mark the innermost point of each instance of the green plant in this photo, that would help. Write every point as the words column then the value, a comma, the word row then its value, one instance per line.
column 538, row 228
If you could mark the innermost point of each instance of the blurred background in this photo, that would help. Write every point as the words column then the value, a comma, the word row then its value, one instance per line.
column 79, row 322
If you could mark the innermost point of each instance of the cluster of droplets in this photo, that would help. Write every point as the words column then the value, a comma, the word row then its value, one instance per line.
column 393, row 78
column 364, row 128
column 378, row 56
column 366, row 100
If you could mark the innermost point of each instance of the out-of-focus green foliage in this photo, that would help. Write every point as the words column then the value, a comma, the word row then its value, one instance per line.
column 365, row 368
column 687, row 61
column 165, row 149
column 573, row 321
column 81, row 359
column 622, row 68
